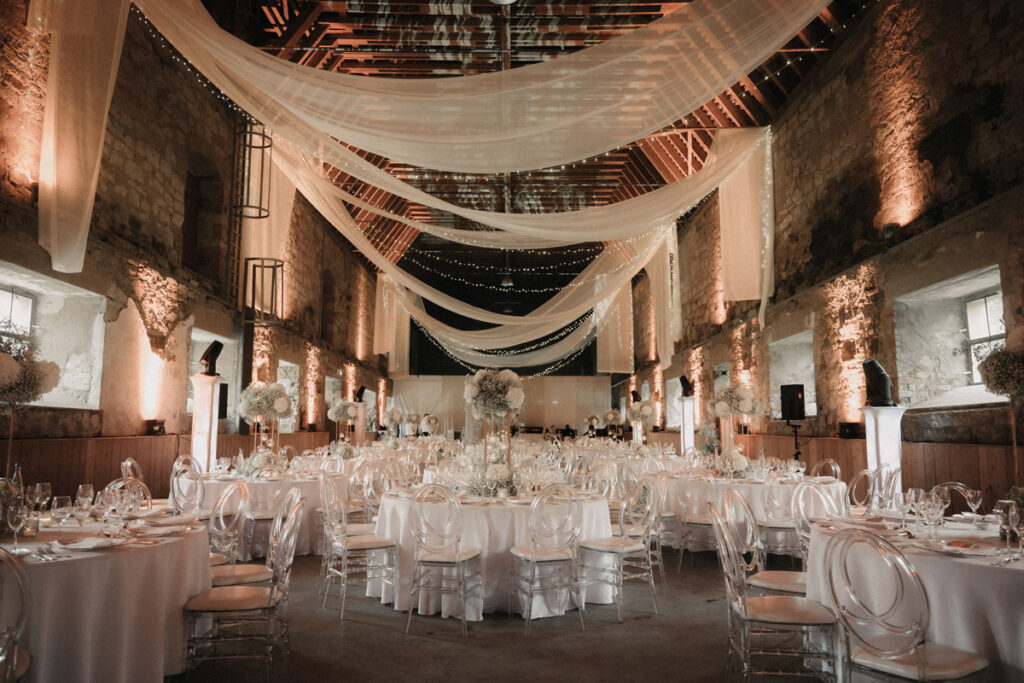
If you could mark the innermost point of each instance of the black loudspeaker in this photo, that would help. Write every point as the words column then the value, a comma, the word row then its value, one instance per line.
column 222, row 407
column 793, row 402
column 359, row 394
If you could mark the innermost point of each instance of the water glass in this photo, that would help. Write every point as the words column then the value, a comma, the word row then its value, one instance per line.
column 1009, row 517
column 973, row 498
column 85, row 491
column 45, row 493
column 61, row 509
column 902, row 502
column 32, row 495
column 17, row 514
column 82, row 510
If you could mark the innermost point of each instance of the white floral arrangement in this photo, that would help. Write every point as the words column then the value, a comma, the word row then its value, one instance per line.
column 413, row 419
column 1002, row 371
column 431, row 423
column 494, row 393
column 392, row 417
column 641, row 411
column 498, row 473
column 247, row 466
column 23, row 379
column 260, row 401
column 592, row 420
column 341, row 411
column 736, row 400
column 612, row 417
column 343, row 448
column 735, row 461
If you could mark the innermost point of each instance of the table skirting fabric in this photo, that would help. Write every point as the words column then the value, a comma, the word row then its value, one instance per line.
column 494, row 528
column 264, row 497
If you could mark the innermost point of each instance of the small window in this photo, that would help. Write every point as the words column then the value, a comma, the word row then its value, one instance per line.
column 985, row 328
column 15, row 311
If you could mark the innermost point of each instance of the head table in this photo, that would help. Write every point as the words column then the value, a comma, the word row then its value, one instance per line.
column 975, row 606
column 115, row 614
column 494, row 527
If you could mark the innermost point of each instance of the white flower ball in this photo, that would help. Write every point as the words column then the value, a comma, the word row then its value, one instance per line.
column 746, row 392
column 746, row 405
column 508, row 377
column 9, row 369
column 471, row 392
column 721, row 408
column 646, row 410
column 516, row 397
column 49, row 374
column 282, row 405
column 352, row 411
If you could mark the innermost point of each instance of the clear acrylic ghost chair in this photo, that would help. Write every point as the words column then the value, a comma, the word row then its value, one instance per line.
column 777, row 527
column 140, row 497
column 269, row 471
column 860, row 491
column 827, row 468
column 252, row 614
column 749, row 544
column 885, row 618
column 130, row 468
column 550, row 564
column 185, row 461
column 694, row 492
column 377, row 479
column 811, row 501
column 613, row 560
column 14, row 588
column 348, row 553
column 188, row 491
column 228, row 521
column 333, row 464
column 664, row 531
column 772, row 626
column 440, row 563
column 601, row 479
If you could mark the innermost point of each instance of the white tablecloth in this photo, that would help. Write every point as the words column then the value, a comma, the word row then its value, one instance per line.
column 495, row 529
column 264, row 497
column 974, row 606
column 113, row 615
column 704, row 492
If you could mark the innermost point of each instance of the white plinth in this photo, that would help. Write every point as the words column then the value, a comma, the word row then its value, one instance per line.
column 204, row 419
column 884, row 437
column 687, row 428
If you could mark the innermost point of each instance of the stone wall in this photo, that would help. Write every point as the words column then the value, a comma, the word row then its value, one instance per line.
column 164, row 128
column 898, row 164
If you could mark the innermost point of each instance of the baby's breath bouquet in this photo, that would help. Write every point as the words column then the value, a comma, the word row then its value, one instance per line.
column 23, row 379
column 1002, row 371
column 340, row 411
column 493, row 393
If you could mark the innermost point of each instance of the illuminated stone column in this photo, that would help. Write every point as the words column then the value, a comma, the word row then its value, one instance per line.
column 884, row 437
column 204, row 419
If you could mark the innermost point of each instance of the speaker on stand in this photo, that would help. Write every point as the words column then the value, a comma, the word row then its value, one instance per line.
column 793, row 409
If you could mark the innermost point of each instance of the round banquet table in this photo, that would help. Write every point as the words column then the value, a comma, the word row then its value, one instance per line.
column 115, row 614
column 974, row 605
column 751, row 490
column 264, row 497
column 494, row 528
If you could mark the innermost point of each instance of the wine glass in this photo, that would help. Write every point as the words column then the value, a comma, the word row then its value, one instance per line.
column 942, row 496
column 104, row 502
column 973, row 498
column 61, row 509
column 1007, row 511
column 903, row 503
column 82, row 510
column 85, row 491
column 17, row 514
column 916, row 496
column 32, row 496
column 45, row 493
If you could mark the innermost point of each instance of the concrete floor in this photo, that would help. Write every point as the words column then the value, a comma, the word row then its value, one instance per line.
column 685, row 642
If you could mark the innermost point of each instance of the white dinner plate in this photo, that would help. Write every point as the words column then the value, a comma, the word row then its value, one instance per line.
column 959, row 547
column 150, row 531
column 93, row 543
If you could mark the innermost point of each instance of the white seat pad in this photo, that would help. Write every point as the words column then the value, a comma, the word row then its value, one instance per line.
column 231, row 575
column 789, row 582
column 367, row 542
column 217, row 559
column 788, row 609
column 543, row 555
column 360, row 529
column 612, row 544
column 943, row 663
column 448, row 556
column 230, row 599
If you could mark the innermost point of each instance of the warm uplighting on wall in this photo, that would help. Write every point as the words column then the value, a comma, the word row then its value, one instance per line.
column 362, row 316
column 382, row 395
column 151, row 380
column 652, row 326
column 739, row 356
column 262, row 350
column 314, row 373
column 695, row 363
column 632, row 388
column 658, row 393
column 850, row 322
column 718, row 308
column 161, row 303
column 349, row 371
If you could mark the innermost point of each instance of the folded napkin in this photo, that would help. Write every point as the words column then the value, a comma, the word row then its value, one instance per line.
column 173, row 520
column 159, row 530
column 92, row 543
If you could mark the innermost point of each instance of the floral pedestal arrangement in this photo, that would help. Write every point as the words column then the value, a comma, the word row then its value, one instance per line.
column 263, row 405
column 23, row 379
column 640, row 414
column 495, row 396
column 1002, row 371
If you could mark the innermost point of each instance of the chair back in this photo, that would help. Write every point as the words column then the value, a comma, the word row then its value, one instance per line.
column 556, row 517
column 131, row 469
column 333, row 464
column 773, row 498
column 697, row 490
column 439, row 528
column 283, row 535
column 377, row 478
column 188, row 492
column 827, row 468
column 639, row 509
column 747, row 534
column 138, row 490
column 185, row 461
column 733, row 568
column 227, row 521
column 810, row 500
column 626, row 479
column 601, row 479
column 13, row 588
column 902, row 612
column 860, row 489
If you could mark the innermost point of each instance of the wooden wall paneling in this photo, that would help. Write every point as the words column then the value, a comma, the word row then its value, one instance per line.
column 996, row 472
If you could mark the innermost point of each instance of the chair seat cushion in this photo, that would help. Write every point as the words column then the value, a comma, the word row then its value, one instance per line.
column 448, row 556
column 217, row 559
column 612, row 544
column 698, row 519
column 261, row 516
column 360, row 529
column 788, row 582
column 944, row 663
column 21, row 663
column 778, row 523
column 365, row 542
column 632, row 530
column 230, row 599
column 525, row 552
column 788, row 609
column 235, row 574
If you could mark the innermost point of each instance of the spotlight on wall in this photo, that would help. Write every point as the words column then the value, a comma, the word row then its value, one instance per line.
column 155, row 428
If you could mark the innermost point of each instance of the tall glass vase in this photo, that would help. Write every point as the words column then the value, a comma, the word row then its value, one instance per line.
column 638, row 432
column 727, row 428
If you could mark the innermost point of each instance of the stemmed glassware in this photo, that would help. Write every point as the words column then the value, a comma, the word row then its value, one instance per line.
column 973, row 498
column 17, row 514
column 104, row 504
column 1009, row 519
column 44, row 494
column 61, row 509
column 903, row 502
column 942, row 495
column 916, row 497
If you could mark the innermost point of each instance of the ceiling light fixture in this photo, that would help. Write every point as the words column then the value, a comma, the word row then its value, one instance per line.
column 506, row 281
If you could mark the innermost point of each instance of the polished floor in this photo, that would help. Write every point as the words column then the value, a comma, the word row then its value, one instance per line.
column 685, row 642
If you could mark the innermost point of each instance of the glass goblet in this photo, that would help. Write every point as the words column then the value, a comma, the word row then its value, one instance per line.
column 85, row 491
column 32, row 495
column 973, row 498
column 104, row 503
column 61, row 509
column 82, row 510
column 45, row 493
column 1009, row 516
column 903, row 502
column 16, row 517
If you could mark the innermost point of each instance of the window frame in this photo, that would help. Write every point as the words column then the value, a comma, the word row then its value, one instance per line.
column 16, row 291
column 969, row 343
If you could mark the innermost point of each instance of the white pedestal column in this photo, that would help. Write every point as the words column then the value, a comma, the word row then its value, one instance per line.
column 884, row 437
column 204, row 419
column 686, row 429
